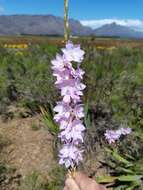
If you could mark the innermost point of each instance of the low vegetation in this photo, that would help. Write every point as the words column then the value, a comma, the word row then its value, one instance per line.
column 113, row 98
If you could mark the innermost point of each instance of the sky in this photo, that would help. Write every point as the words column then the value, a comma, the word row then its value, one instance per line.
column 93, row 13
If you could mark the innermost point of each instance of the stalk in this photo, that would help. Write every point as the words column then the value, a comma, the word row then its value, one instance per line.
column 66, row 21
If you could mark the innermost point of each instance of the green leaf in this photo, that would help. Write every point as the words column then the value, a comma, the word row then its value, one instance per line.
column 118, row 157
column 48, row 120
column 130, row 178
column 87, row 116
column 106, row 179
column 121, row 169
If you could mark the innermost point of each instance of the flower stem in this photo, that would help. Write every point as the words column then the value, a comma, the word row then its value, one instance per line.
column 66, row 21
column 71, row 172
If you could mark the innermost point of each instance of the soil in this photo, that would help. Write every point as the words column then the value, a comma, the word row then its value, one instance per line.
column 29, row 148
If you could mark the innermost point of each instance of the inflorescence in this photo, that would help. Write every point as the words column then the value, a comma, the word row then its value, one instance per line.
column 69, row 111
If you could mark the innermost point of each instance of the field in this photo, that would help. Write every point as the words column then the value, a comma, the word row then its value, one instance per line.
column 113, row 99
column 98, row 41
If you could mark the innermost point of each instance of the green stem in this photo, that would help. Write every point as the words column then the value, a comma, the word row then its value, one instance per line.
column 66, row 21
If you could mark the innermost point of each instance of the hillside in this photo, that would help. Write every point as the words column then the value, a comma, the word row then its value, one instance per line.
column 39, row 25
column 114, row 29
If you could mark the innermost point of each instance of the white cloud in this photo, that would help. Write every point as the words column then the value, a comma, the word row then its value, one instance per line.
column 132, row 23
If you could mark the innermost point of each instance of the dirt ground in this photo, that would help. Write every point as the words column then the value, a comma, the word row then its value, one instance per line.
column 29, row 149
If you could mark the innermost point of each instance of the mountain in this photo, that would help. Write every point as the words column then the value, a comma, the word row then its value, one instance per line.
column 39, row 25
column 52, row 25
column 114, row 29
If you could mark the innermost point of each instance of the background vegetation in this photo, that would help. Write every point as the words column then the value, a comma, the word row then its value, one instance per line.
column 113, row 98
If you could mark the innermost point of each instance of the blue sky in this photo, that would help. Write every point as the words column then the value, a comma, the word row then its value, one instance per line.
column 84, row 10
column 79, row 9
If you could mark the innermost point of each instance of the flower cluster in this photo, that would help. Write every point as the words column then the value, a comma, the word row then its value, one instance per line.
column 113, row 135
column 69, row 111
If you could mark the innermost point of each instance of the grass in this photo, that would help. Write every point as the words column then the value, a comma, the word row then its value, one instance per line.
column 38, row 181
column 35, row 127
column 4, row 141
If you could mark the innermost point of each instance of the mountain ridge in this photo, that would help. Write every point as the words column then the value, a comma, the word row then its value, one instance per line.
column 114, row 29
column 54, row 25
column 39, row 25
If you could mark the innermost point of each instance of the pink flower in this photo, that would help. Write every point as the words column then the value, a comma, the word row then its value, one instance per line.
column 73, row 52
column 125, row 131
column 69, row 111
column 63, row 111
column 70, row 155
column 73, row 132
column 113, row 135
column 58, row 63
column 78, row 111
column 78, row 73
